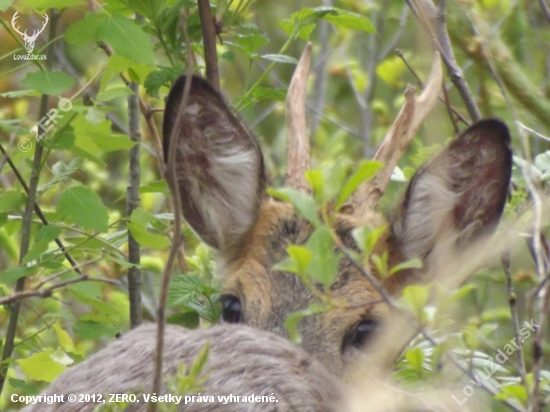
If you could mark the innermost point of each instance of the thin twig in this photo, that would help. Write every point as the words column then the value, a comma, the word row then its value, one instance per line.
column 434, row 21
column 47, row 292
column 533, row 132
column 545, row 10
column 209, row 42
column 442, row 99
column 470, row 374
column 505, row 259
column 132, row 203
column 320, row 70
column 171, row 177
column 367, row 114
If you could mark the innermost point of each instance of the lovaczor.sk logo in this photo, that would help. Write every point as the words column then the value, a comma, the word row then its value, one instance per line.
column 29, row 39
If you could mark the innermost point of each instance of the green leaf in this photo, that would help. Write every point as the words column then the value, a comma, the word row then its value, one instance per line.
column 20, row 93
column 409, row 264
column 513, row 391
column 416, row 297
column 185, row 289
column 348, row 20
column 147, row 239
column 367, row 237
column 200, row 361
column 5, row 4
column 334, row 175
column 41, row 366
column 415, row 357
column 84, row 31
column 91, row 138
column 113, row 93
column 82, row 206
column 21, row 385
column 158, row 78
column 251, row 42
column 127, row 39
column 366, row 171
column 280, row 58
column 47, row 233
column 293, row 319
column 497, row 314
column 47, row 82
column 189, row 320
column 42, row 5
column 89, row 329
column 460, row 293
column 303, row 203
column 324, row 264
column 267, row 93
column 301, row 257
column 11, row 200
column 391, row 70
column 381, row 264
column 316, row 181
column 12, row 274
column 158, row 186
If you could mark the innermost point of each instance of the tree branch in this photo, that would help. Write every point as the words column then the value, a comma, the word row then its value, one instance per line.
column 209, row 42
column 434, row 21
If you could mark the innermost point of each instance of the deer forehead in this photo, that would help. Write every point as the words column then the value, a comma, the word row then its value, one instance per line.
column 269, row 295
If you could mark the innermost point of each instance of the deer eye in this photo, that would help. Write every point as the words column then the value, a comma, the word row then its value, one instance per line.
column 231, row 309
column 360, row 334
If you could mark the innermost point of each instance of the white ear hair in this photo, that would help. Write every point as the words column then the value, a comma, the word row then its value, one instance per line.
column 458, row 195
column 219, row 166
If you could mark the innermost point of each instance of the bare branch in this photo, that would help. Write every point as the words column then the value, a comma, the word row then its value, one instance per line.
column 47, row 292
column 132, row 203
column 505, row 259
column 172, row 180
column 434, row 21
column 296, row 130
column 412, row 114
column 545, row 10
column 209, row 41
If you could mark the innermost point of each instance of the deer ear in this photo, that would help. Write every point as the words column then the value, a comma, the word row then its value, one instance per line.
column 458, row 195
column 219, row 167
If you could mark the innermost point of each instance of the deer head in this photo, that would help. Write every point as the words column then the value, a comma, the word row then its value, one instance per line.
column 29, row 40
column 454, row 200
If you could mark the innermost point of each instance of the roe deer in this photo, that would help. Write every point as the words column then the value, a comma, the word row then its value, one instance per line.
column 455, row 199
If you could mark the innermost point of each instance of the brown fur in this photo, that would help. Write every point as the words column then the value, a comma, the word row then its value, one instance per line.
column 435, row 221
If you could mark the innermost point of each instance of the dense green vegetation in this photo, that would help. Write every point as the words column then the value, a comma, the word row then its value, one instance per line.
column 66, row 209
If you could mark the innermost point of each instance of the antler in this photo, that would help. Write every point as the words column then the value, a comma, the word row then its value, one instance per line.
column 15, row 16
column 412, row 114
column 296, row 131
column 37, row 32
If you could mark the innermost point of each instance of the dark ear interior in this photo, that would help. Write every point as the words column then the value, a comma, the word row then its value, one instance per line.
column 219, row 166
column 458, row 195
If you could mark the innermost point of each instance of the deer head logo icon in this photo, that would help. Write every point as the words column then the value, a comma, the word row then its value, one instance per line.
column 29, row 40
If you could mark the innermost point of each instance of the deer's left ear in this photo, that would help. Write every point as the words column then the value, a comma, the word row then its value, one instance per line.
column 458, row 195
column 219, row 167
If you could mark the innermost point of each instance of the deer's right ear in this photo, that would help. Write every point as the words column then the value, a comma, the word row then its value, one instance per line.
column 219, row 167
column 458, row 196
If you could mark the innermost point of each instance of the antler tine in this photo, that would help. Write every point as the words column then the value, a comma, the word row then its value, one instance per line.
column 412, row 114
column 38, row 31
column 296, row 131
column 13, row 19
